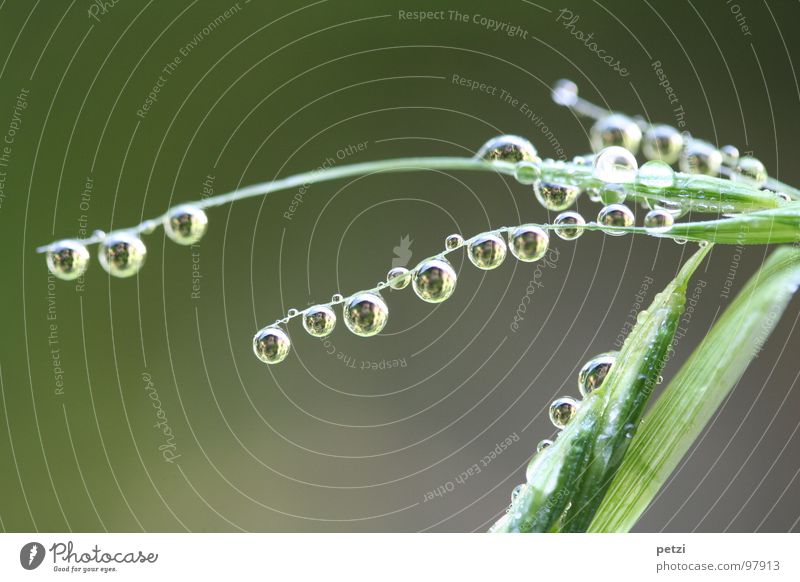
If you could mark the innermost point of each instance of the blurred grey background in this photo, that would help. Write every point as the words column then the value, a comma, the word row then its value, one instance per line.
column 353, row 434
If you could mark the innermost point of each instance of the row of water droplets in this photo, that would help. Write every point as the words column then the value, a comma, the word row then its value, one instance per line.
column 434, row 280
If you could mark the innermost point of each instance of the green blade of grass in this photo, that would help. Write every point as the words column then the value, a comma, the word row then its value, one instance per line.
column 691, row 398
column 567, row 480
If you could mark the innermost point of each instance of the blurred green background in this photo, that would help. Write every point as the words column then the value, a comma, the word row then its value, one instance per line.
column 332, row 439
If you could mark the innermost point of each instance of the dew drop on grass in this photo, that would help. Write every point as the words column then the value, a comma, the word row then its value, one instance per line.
column 453, row 241
column 487, row 251
column 434, row 280
column 568, row 225
column 615, row 165
column 562, row 410
column 508, row 148
column 656, row 174
column 612, row 194
column 319, row 320
column 365, row 314
column 527, row 172
column 401, row 282
column 554, row 196
column 528, row 242
column 658, row 221
column 617, row 215
column 271, row 345
column 543, row 444
column 594, row 372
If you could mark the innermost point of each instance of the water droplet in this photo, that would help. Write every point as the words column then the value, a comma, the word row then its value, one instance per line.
column 556, row 196
column 271, row 345
column 562, row 411
column 67, row 259
column 543, row 444
column 730, row 155
column 487, row 251
column 568, row 225
column 517, row 490
column 750, row 170
column 365, row 314
column 680, row 241
column 186, row 224
column 508, row 148
column 99, row 234
column 613, row 194
column 434, row 280
column 662, row 142
column 527, row 172
column 659, row 380
column 453, row 241
column 700, row 157
column 593, row 194
column 122, row 254
column 594, row 372
column 615, row 130
column 404, row 278
column 656, row 174
column 565, row 93
column 784, row 197
column 337, row 298
column 319, row 320
column 617, row 215
column 292, row 312
column 658, row 221
column 528, row 242
column 616, row 165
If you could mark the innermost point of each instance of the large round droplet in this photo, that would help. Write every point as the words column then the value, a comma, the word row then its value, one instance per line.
column 569, row 225
column 565, row 93
column 487, row 251
column 398, row 278
column 556, row 196
column 730, row 155
column 659, row 220
column 122, row 254
column 528, row 242
column 616, row 130
column 508, row 148
column 271, row 345
column 616, row 215
column 453, row 241
column 613, row 194
column 700, row 157
column 365, row 314
column 319, row 320
column 186, row 224
column 662, row 142
column 434, row 280
column 562, row 411
column 750, row 170
column 527, row 172
column 67, row 259
column 594, row 372
column 656, row 174
column 616, row 165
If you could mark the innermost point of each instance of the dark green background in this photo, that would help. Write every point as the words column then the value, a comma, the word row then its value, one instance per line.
column 315, row 445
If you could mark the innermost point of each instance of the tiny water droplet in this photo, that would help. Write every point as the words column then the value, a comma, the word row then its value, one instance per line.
column 613, row 194
column 662, row 142
column 555, row 197
column 750, row 170
column 487, row 251
column 565, row 93
column 543, row 444
column 527, row 172
column 337, row 298
column 700, row 157
column 292, row 312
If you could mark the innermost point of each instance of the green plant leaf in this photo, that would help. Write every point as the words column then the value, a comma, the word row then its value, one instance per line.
column 776, row 225
column 567, row 481
column 686, row 405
